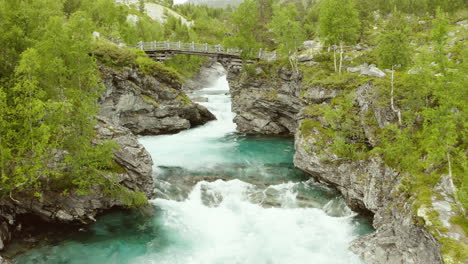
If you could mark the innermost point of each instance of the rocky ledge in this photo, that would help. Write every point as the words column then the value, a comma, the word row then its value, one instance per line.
column 148, row 105
column 265, row 102
column 75, row 209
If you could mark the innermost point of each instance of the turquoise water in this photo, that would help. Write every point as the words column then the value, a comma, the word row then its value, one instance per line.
column 222, row 198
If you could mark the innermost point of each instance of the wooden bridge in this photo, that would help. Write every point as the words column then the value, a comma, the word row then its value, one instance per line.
column 164, row 50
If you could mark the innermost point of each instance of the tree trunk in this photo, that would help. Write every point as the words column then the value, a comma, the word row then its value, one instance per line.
column 341, row 57
column 392, row 103
column 334, row 58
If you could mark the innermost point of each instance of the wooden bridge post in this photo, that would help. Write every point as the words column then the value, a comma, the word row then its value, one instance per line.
column 206, row 47
column 140, row 45
column 260, row 54
column 179, row 45
column 192, row 47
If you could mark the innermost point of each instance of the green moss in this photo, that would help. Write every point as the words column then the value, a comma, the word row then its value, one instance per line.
column 307, row 126
column 272, row 95
column 129, row 198
column 149, row 100
column 134, row 199
column 165, row 73
column 313, row 110
column 183, row 98
column 117, row 168
column 453, row 251
column 249, row 69
column 461, row 221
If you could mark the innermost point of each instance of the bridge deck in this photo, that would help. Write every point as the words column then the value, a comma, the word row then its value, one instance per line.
column 172, row 48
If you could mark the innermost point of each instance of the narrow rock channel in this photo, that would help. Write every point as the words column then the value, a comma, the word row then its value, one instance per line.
column 223, row 197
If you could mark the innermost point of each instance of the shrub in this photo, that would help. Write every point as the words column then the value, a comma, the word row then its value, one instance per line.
column 113, row 55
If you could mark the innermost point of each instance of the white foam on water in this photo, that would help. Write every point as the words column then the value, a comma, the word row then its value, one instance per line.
column 230, row 229
column 239, row 232
column 198, row 146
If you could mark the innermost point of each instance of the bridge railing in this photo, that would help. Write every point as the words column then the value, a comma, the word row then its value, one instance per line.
column 200, row 48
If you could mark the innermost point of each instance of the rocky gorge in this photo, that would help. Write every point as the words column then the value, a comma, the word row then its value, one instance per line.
column 267, row 100
column 277, row 101
column 132, row 104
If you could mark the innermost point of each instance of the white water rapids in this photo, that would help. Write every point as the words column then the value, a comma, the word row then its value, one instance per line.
column 223, row 198
column 220, row 224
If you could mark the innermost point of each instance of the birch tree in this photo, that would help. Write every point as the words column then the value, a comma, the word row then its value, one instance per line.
column 338, row 25
column 393, row 51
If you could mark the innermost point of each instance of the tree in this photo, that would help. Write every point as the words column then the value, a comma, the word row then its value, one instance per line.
column 339, row 24
column 141, row 6
column 393, row 51
column 5, row 151
column 244, row 21
column 265, row 15
column 288, row 31
column 29, row 132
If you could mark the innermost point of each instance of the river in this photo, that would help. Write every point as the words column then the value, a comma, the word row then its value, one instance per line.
column 222, row 198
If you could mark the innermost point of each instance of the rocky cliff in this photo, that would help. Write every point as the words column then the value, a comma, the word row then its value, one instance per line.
column 367, row 184
column 265, row 102
column 148, row 105
column 275, row 102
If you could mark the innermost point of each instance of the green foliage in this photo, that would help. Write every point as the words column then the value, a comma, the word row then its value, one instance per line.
column 49, row 99
column 187, row 66
column 393, row 46
column 288, row 32
column 338, row 22
column 129, row 198
column 245, row 21
column 184, row 99
column 113, row 55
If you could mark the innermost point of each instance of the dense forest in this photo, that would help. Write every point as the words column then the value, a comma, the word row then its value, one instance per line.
column 50, row 83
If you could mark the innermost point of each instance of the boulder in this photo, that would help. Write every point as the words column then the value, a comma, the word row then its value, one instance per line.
column 369, row 70
column 305, row 57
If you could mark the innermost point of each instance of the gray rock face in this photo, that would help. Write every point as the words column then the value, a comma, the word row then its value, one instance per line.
column 274, row 105
column 369, row 185
column 267, row 107
column 148, row 106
